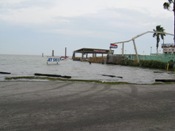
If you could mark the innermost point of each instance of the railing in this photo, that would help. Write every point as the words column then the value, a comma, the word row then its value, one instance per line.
column 168, row 45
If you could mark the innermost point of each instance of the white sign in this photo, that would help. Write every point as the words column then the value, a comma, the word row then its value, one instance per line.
column 53, row 60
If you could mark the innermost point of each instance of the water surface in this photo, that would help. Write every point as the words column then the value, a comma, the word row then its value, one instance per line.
column 20, row 65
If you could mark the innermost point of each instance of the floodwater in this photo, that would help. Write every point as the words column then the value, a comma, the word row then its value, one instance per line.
column 21, row 65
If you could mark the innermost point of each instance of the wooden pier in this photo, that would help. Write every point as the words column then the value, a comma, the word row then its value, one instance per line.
column 91, row 55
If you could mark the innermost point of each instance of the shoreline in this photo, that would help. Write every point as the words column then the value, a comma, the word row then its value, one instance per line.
column 43, row 78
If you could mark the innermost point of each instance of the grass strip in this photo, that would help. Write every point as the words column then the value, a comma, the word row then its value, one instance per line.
column 61, row 79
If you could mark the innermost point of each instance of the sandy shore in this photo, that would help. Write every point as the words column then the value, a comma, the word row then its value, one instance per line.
column 75, row 106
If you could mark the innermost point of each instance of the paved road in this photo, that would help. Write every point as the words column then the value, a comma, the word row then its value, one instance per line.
column 77, row 106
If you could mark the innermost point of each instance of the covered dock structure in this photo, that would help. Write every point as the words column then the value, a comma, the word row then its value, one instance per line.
column 91, row 54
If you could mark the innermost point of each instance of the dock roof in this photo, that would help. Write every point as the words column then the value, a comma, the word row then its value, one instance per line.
column 92, row 50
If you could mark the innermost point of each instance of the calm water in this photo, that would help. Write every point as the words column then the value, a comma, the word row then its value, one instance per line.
column 20, row 65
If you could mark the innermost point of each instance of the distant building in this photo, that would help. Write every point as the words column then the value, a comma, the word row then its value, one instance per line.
column 168, row 48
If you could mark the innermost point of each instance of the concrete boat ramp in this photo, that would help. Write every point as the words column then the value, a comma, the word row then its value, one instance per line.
column 75, row 106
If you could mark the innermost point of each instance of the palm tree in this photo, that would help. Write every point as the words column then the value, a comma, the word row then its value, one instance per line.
column 167, row 5
column 158, row 32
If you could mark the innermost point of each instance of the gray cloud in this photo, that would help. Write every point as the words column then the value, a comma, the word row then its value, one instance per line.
column 46, row 29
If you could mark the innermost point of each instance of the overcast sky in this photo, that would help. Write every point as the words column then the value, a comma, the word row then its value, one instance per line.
column 39, row 26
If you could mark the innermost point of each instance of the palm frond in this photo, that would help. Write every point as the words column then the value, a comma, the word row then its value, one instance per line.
column 154, row 34
column 166, row 5
column 162, row 36
column 170, row 1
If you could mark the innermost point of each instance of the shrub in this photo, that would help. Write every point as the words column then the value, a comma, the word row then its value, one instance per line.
column 153, row 64
column 146, row 63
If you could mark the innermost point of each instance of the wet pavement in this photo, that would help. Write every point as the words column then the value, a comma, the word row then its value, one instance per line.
column 75, row 106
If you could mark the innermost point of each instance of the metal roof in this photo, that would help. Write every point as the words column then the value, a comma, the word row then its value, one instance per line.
column 92, row 50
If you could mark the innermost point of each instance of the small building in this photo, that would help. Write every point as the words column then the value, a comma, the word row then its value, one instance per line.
column 91, row 54
column 168, row 48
